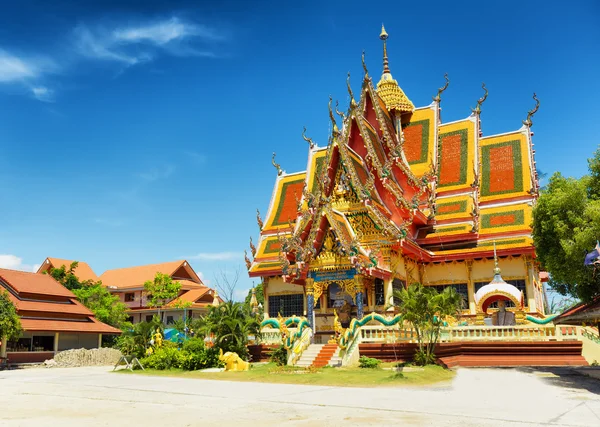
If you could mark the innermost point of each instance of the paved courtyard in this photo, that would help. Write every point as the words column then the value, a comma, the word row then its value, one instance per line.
column 476, row 397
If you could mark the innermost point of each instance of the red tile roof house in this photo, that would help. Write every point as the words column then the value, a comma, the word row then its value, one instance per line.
column 128, row 284
column 52, row 319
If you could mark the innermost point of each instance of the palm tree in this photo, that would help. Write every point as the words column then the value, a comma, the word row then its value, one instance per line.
column 230, row 323
column 426, row 309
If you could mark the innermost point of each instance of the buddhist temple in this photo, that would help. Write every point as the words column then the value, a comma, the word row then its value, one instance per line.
column 398, row 196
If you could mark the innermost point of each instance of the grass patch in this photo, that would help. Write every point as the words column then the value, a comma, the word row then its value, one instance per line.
column 343, row 377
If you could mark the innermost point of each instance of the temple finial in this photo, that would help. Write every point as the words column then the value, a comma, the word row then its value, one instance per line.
column 276, row 165
column 527, row 121
column 438, row 97
column 364, row 64
column 311, row 143
column 352, row 101
column 480, row 101
column 332, row 118
column 384, row 36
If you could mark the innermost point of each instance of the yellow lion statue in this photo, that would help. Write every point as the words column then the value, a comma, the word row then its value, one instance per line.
column 233, row 362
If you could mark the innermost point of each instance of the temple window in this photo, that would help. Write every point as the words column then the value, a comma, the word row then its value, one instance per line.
column 286, row 305
column 398, row 284
column 170, row 320
column 129, row 297
column 149, row 318
column 379, row 292
column 461, row 288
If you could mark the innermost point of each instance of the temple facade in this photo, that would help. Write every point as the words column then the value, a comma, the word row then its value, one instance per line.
column 397, row 197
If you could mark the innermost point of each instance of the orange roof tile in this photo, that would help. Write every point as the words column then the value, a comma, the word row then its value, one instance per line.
column 32, row 283
column 73, row 307
column 91, row 326
column 134, row 277
column 83, row 270
column 190, row 296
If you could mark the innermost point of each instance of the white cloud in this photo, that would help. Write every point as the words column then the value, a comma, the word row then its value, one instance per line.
column 216, row 256
column 42, row 93
column 13, row 262
column 135, row 44
column 13, row 68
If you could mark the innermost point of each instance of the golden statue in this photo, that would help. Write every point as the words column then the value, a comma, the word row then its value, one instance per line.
column 233, row 362
column 157, row 338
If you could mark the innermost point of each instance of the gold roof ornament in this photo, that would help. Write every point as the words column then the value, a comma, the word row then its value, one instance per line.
column 530, row 114
column 216, row 301
column 387, row 88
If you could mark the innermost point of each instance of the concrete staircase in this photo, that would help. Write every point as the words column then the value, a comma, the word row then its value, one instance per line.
column 320, row 355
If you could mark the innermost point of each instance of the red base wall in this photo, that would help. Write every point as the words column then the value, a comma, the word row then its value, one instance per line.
column 29, row 357
column 543, row 353
column 260, row 353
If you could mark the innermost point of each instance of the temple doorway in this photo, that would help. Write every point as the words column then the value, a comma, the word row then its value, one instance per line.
column 342, row 302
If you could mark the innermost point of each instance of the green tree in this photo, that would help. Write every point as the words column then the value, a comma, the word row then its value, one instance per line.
column 230, row 324
column 67, row 277
column 106, row 307
column 425, row 309
column 566, row 226
column 135, row 340
column 10, row 324
column 161, row 290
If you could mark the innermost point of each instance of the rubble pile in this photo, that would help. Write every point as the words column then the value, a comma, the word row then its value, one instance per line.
column 83, row 357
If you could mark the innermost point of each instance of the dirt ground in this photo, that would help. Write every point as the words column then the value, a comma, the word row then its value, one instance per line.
column 476, row 397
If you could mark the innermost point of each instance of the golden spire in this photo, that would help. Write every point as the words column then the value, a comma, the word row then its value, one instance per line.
column 496, row 266
column 383, row 36
column 387, row 88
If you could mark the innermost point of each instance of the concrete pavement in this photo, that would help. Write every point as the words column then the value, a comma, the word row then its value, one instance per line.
column 476, row 397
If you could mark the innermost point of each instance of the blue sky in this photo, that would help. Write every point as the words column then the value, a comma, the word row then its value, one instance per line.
column 141, row 132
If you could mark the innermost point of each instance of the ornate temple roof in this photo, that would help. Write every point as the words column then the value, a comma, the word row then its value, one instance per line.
column 436, row 191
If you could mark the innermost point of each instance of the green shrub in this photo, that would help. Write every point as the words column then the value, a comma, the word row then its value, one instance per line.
column 368, row 362
column 279, row 356
column 207, row 358
column 422, row 358
column 164, row 358
column 194, row 345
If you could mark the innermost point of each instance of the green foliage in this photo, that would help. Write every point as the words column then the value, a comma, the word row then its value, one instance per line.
column 368, row 362
column 194, row 345
column 161, row 290
column 425, row 309
column 279, row 356
column 106, row 307
column 66, row 276
column 193, row 356
column 163, row 358
column 566, row 226
column 10, row 324
column 135, row 339
column 422, row 358
column 206, row 358
column 230, row 324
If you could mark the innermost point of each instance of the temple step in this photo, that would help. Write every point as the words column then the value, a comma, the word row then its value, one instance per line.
column 320, row 355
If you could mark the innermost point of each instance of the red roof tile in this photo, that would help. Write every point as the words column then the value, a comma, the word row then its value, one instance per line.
column 32, row 283
column 91, row 325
